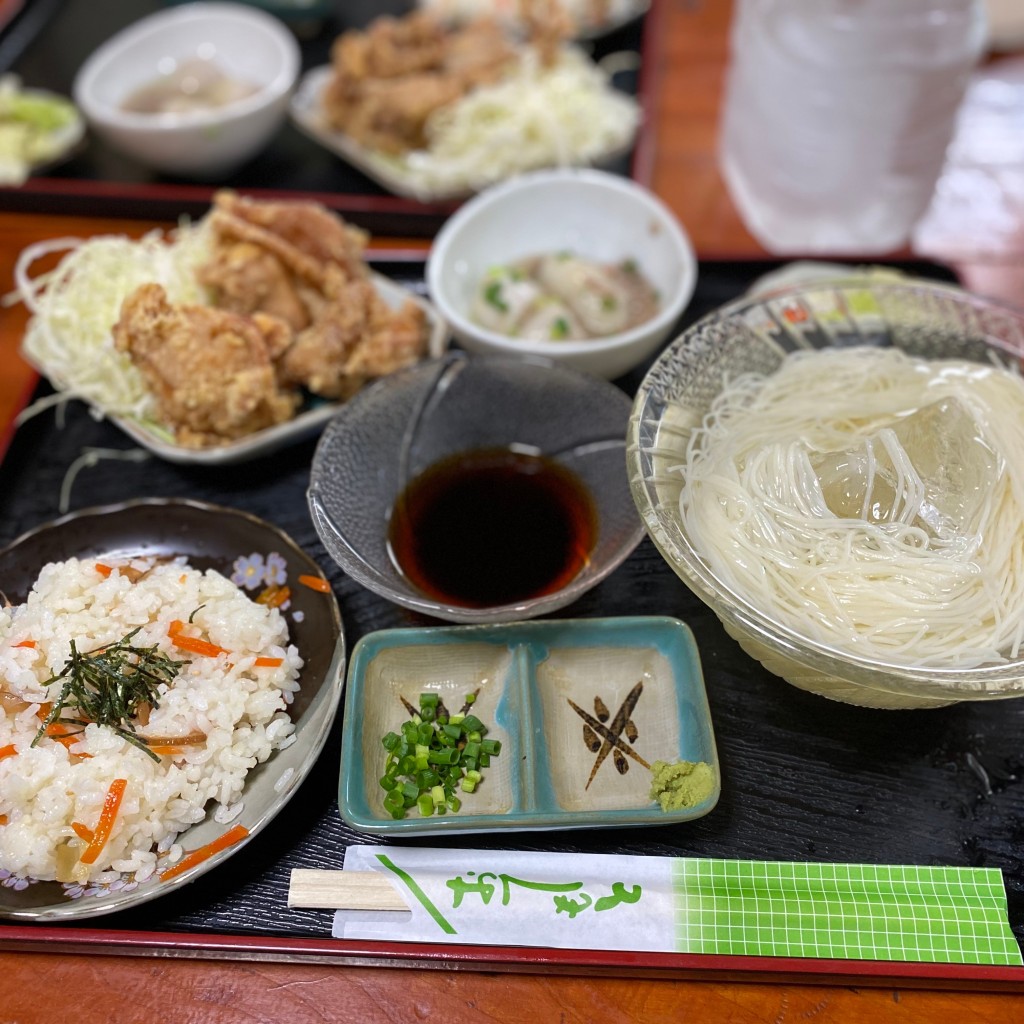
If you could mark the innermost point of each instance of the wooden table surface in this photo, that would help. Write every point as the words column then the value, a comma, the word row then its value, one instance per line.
column 690, row 53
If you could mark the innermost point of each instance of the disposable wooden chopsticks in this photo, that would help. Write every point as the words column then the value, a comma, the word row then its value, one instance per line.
column 343, row 890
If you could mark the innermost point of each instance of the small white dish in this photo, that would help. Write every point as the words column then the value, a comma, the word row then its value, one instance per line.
column 241, row 41
column 593, row 214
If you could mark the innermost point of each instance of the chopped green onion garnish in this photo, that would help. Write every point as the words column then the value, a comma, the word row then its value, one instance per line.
column 492, row 295
column 394, row 804
column 433, row 756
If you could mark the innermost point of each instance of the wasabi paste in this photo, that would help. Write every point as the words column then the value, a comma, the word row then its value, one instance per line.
column 682, row 784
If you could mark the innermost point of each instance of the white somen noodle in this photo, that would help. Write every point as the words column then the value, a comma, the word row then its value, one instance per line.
column 870, row 502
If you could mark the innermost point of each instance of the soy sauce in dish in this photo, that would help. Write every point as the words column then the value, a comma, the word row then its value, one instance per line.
column 492, row 527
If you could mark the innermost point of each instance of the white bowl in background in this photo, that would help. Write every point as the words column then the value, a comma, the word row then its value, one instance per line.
column 594, row 214
column 243, row 42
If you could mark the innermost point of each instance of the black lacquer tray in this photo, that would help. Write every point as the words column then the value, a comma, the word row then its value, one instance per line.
column 803, row 778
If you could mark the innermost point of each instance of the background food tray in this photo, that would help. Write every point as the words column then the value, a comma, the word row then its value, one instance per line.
column 802, row 778
column 47, row 42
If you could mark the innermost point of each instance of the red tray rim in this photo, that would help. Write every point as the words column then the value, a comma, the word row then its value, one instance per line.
column 346, row 952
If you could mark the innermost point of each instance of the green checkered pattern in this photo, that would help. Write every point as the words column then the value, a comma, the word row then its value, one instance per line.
column 846, row 911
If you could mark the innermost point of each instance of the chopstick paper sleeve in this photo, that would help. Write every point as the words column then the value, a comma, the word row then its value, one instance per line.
column 667, row 904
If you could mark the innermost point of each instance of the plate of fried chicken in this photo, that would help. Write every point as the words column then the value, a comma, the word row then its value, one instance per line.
column 225, row 339
column 435, row 111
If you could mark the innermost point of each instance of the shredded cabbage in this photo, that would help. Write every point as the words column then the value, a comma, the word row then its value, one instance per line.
column 75, row 306
column 565, row 114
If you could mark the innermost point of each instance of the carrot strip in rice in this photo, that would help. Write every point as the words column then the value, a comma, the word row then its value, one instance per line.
column 233, row 835
column 105, row 825
column 82, row 831
column 196, row 646
column 60, row 730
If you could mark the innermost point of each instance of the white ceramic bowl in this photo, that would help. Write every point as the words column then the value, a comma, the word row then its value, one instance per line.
column 594, row 214
column 243, row 43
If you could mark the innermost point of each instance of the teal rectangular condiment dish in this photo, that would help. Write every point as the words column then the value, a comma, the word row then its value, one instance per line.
column 582, row 708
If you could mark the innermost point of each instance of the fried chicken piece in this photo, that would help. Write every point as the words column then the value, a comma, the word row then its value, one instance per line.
column 355, row 337
column 304, row 235
column 388, row 80
column 272, row 257
column 548, row 26
column 304, row 238
column 479, row 53
column 389, row 47
column 390, row 115
column 212, row 372
column 246, row 278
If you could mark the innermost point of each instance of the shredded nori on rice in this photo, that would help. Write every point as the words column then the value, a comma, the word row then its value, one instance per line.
column 109, row 686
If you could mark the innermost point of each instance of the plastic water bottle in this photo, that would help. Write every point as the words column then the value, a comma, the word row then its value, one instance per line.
column 838, row 114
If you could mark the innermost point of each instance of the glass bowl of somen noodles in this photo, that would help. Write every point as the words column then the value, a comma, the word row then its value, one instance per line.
column 837, row 470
